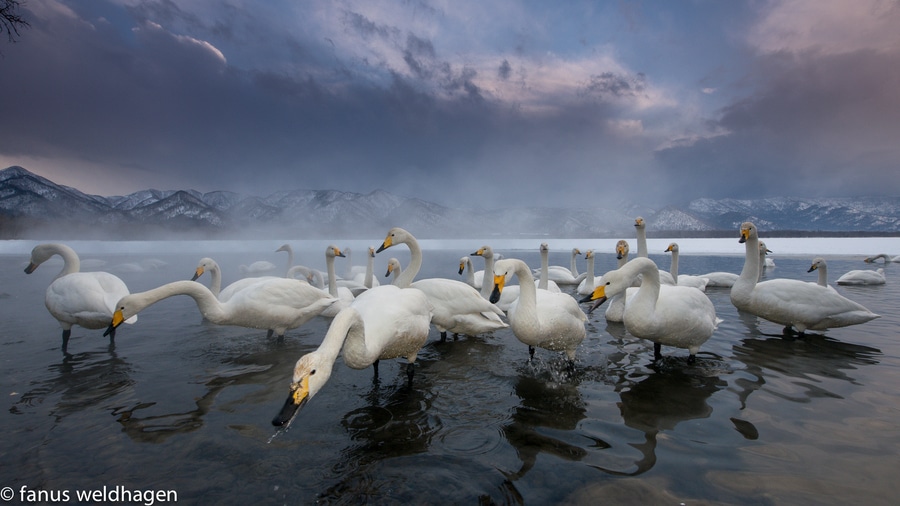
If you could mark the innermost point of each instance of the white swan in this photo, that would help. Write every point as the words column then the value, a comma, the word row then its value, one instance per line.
column 862, row 277
column 764, row 261
column 881, row 256
column 277, row 305
column 790, row 302
column 679, row 316
column 458, row 307
column 342, row 293
column 86, row 299
column 544, row 282
column 819, row 265
column 290, row 261
column 384, row 322
column 540, row 318
column 510, row 295
column 684, row 279
column 640, row 228
column 258, row 268
column 562, row 275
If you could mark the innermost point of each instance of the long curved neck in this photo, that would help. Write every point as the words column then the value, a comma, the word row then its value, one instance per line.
column 290, row 260
column 370, row 270
column 590, row 270
column 673, row 270
column 527, row 295
column 332, row 278
column 572, row 266
column 642, row 242
column 470, row 273
column 486, row 285
column 215, row 280
column 71, row 262
column 545, row 266
column 750, row 272
column 207, row 303
column 415, row 263
column 823, row 274
column 347, row 323
column 317, row 279
column 648, row 293
column 348, row 273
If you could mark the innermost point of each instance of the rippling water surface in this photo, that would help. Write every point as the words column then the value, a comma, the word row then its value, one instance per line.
column 179, row 404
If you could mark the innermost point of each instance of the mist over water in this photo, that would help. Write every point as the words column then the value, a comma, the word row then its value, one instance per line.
column 180, row 404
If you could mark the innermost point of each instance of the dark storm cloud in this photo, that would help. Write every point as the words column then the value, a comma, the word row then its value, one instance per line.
column 821, row 125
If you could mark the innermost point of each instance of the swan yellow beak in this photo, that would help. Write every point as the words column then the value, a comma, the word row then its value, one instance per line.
column 745, row 234
column 620, row 252
column 199, row 272
column 499, row 282
column 812, row 267
column 385, row 245
column 117, row 320
column 296, row 399
column 462, row 267
column 478, row 253
column 599, row 293
column 390, row 269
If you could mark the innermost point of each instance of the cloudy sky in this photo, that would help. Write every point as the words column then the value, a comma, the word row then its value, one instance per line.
column 465, row 103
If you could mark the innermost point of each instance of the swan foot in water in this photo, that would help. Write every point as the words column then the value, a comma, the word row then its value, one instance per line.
column 444, row 336
column 530, row 353
column 410, row 371
column 657, row 352
column 68, row 333
column 375, row 367
column 692, row 359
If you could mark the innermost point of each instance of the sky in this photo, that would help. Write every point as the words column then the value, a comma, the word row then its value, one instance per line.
column 466, row 103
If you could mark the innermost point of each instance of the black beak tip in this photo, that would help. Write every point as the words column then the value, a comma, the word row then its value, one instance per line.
column 110, row 331
column 380, row 248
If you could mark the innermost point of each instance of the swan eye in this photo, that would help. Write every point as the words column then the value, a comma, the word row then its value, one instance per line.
column 312, row 372
column 607, row 283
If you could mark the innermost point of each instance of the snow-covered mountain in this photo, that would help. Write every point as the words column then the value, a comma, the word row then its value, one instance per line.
column 31, row 205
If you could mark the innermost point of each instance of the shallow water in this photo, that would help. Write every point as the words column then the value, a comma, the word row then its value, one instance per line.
column 179, row 404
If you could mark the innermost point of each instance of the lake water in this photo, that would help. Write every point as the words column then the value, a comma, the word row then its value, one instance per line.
column 180, row 405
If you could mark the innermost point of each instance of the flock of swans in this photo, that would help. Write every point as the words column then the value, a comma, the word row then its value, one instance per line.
column 372, row 322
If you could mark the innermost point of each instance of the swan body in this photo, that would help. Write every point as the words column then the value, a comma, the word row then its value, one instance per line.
column 540, row 318
column 78, row 298
column 862, row 277
column 384, row 322
column 789, row 302
column 277, row 305
column 258, row 268
column 720, row 279
column 679, row 316
column 684, row 279
column 207, row 264
column 457, row 307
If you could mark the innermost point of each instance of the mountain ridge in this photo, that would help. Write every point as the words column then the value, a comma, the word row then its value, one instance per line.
column 34, row 206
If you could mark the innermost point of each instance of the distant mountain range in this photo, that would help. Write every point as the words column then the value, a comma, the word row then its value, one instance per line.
column 32, row 207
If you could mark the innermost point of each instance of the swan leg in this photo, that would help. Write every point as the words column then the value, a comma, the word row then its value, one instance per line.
column 530, row 352
column 375, row 366
column 68, row 333
column 692, row 359
column 410, row 371
column 657, row 352
column 444, row 336
column 269, row 334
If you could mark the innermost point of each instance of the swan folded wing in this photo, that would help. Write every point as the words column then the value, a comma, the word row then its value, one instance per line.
column 279, row 298
column 807, row 305
column 86, row 298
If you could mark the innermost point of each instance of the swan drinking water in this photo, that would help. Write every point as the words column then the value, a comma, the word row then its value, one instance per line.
column 384, row 322
column 86, row 299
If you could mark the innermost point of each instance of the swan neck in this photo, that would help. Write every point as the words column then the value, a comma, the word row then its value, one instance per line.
column 370, row 272
column 347, row 322
column 208, row 304
column 415, row 263
column 332, row 282
column 527, row 305
column 215, row 281
column 642, row 243
column 545, row 265
column 648, row 293
column 71, row 262
column 573, row 267
column 487, row 286
column 823, row 275
column 673, row 270
column 750, row 273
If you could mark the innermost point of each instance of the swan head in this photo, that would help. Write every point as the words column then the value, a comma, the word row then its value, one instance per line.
column 41, row 253
column 817, row 263
column 393, row 265
column 205, row 264
column 372, row 251
column 484, row 251
column 333, row 251
column 639, row 222
column 576, row 251
column 763, row 249
column 621, row 249
column 284, row 247
column 503, row 273
column 126, row 311
column 748, row 230
column 310, row 374
column 462, row 264
column 395, row 235
column 544, row 247
column 673, row 248
column 589, row 254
